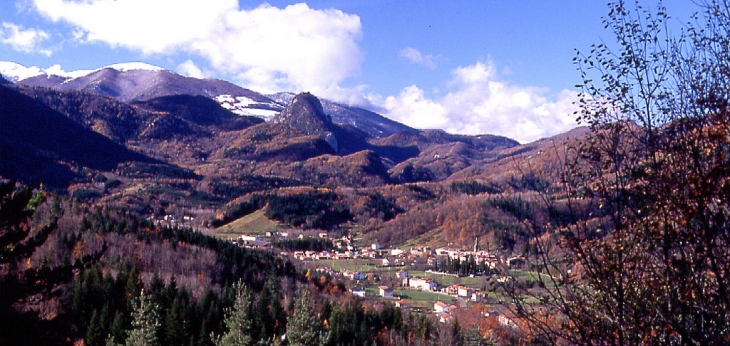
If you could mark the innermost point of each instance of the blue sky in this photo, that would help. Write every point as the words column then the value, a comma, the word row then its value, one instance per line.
column 471, row 67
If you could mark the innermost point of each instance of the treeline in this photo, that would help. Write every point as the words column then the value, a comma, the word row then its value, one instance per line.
column 473, row 188
column 308, row 210
column 248, row 184
column 238, row 210
column 314, row 209
column 462, row 268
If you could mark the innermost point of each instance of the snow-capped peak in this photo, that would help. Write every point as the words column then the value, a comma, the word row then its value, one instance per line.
column 15, row 72
column 131, row 66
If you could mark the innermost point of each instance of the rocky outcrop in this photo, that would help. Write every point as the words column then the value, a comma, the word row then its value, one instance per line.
column 305, row 114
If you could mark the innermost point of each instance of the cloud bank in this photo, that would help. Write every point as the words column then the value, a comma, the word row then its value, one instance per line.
column 266, row 48
column 24, row 40
column 478, row 102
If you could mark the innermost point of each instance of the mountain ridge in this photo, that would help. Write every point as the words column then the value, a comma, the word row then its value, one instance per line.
column 129, row 82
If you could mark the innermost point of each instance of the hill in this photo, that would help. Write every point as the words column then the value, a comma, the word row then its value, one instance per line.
column 42, row 145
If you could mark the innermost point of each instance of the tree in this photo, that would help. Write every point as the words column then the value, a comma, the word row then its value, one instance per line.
column 145, row 322
column 303, row 328
column 647, row 260
column 237, row 321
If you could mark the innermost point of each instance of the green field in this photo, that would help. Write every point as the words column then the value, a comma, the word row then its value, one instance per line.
column 253, row 224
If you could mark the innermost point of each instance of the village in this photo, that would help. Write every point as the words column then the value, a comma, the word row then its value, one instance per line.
column 406, row 277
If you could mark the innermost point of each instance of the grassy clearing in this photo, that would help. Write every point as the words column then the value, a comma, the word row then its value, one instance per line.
column 254, row 223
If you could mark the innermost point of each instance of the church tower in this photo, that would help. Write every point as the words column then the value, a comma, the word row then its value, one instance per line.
column 476, row 244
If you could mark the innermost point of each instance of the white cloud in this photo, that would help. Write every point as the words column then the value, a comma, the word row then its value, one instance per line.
column 415, row 56
column 24, row 40
column 479, row 103
column 411, row 107
column 149, row 26
column 266, row 48
column 188, row 68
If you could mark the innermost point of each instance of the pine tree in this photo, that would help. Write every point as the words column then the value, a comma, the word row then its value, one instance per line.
column 304, row 329
column 237, row 321
column 118, row 331
column 175, row 326
column 95, row 330
column 145, row 322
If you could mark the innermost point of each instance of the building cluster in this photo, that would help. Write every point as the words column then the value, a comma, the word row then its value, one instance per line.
column 480, row 257
column 344, row 248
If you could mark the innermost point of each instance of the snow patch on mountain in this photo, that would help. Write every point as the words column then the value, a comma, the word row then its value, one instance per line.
column 131, row 66
column 16, row 72
column 242, row 105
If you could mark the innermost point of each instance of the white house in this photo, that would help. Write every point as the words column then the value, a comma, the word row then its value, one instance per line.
column 386, row 291
column 358, row 291
column 422, row 284
column 440, row 307
column 463, row 291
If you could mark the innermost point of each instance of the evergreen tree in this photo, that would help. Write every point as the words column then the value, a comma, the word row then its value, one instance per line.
column 304, row 329
column 176, row 326
column 145, row 322
column 118, row 331
column 95, row 330
column 237, row 321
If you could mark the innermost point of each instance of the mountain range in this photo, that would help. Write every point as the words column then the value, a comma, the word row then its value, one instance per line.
column 151, row 141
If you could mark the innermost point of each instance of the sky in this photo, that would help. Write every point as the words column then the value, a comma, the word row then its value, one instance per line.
column 469, row 67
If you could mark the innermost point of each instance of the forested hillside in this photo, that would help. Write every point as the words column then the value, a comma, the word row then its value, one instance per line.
column 72, row 272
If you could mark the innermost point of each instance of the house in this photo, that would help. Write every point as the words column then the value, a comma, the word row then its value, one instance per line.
column 386, row 291
column 402, row 304
column 516, row 261
column 250, row 238
column 323, row 235
column 420, row 251
column 353, row 275
column 402, row 274
column 387, row 262
column 463, row 291
column 440, row 307
column 422, row 284
column 358, row 291
column 375, row 246
column 477, row 297
column 396, row 252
